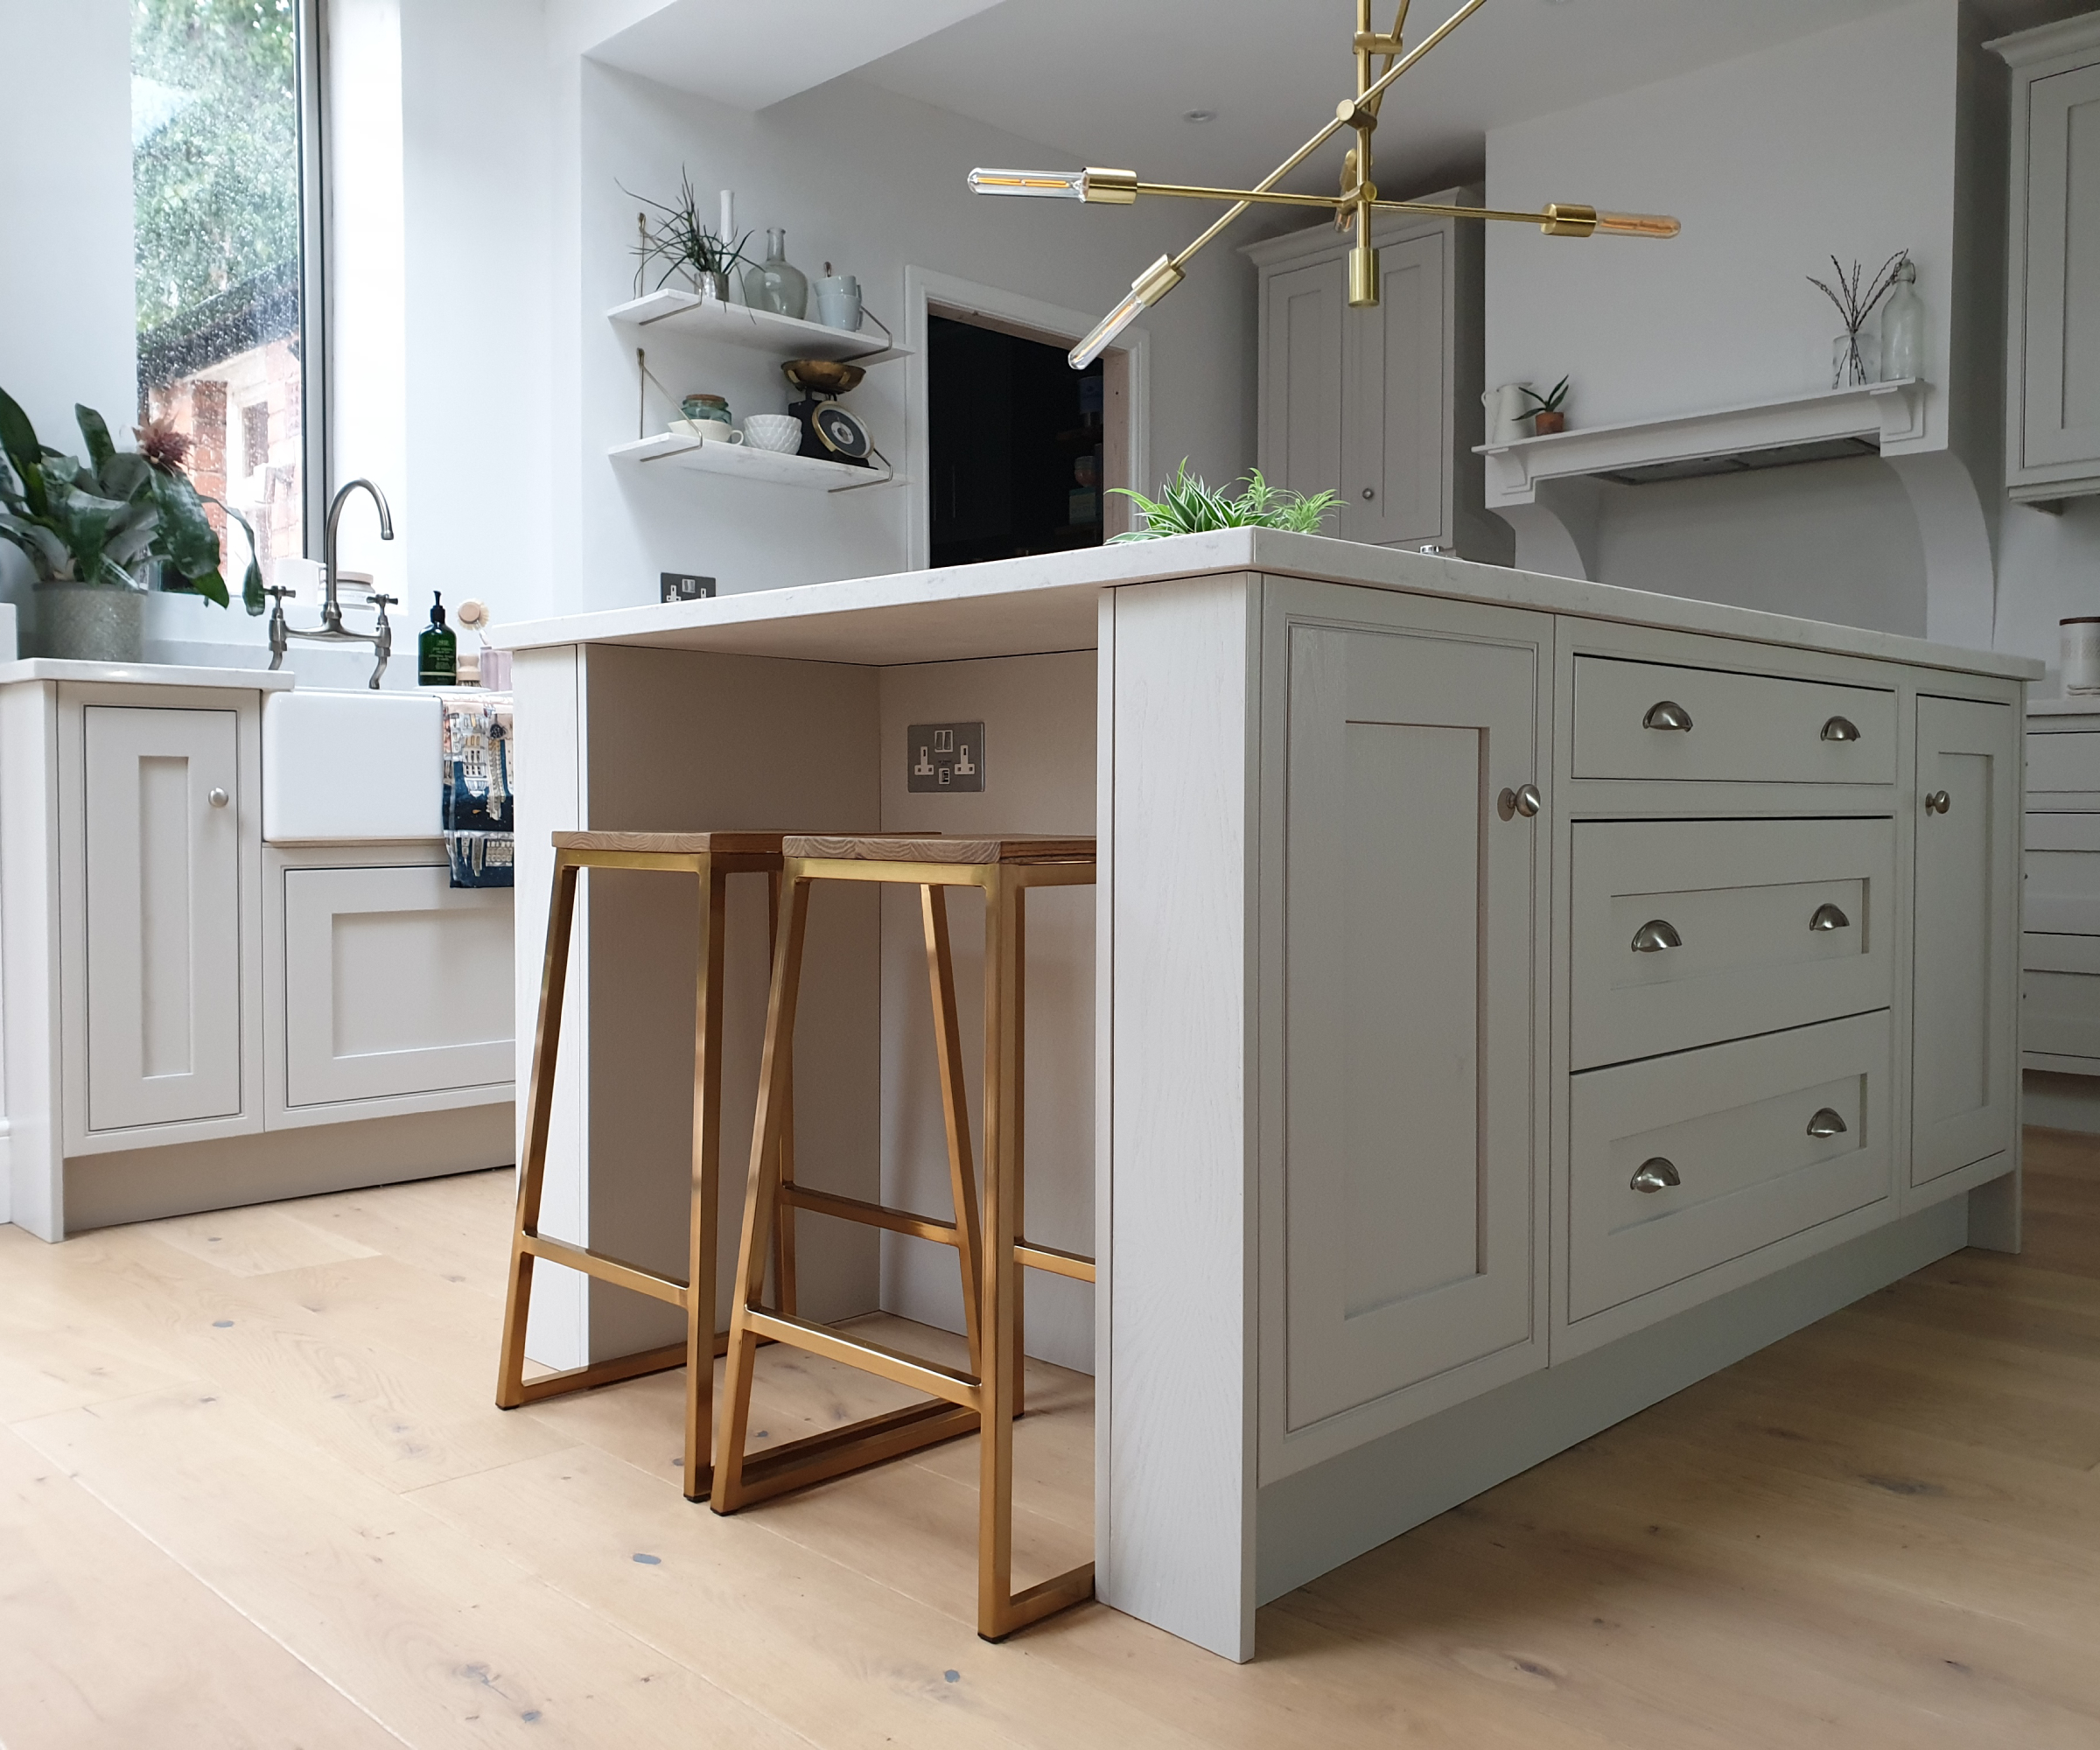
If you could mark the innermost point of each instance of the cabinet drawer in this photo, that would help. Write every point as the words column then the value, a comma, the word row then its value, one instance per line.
column 2063, row 772
column 2062, row 893
column 1732, row 1122
column 1744, row 728
column 2060, row 995
column 1690, row 932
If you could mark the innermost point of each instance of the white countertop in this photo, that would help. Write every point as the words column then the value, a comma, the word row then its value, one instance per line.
column 1013, row 607
column 144, row 674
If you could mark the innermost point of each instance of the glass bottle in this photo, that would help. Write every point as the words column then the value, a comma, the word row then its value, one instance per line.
column 1903, row 328
column 438, row 650
column 776, row 283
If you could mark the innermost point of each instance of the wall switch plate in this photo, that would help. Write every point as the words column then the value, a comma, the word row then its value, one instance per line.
column 683, row 586
column 945, row 756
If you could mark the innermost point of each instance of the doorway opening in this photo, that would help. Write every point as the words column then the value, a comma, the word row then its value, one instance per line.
column 1021, row 448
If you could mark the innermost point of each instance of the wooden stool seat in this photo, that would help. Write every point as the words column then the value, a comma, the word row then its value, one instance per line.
column 985, row 1399
column 710, row 859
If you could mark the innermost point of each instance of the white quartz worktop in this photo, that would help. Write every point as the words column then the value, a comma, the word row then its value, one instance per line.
column 1016, row 606
column 144, row 674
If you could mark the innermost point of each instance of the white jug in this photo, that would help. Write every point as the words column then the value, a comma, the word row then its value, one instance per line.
column 1506, row 413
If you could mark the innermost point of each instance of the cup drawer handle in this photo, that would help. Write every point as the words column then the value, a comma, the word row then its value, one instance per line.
column 1840, row 729
column 1826, row 1123
column 1656, row 934
column 1829, row 918
column 1667, row 714
column 1655, row 1174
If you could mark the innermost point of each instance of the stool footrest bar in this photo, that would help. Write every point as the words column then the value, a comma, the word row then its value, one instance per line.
column 874, row 1440
column 618, row 1272
column 602, row 1373
column 1039, row 1601
column 1051, row 1258
column 869, row 1214
column 875, row 1358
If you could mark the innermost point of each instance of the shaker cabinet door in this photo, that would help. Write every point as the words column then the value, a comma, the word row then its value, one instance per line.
column 1965, row 946
column 163, row 874
column 1413, row 1000
column 1302, row 379
column 1396, row 435
column 2058, row 333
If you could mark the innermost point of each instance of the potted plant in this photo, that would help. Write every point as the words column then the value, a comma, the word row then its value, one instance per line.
column 1547, row 417
column 1187, row 505
column 682, row 243
column 89, row 529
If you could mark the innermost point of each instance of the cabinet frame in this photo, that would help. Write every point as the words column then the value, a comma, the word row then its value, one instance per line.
column 73, row 699
column 1285, row 603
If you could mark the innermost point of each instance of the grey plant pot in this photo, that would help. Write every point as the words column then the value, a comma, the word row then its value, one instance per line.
column 91, row 622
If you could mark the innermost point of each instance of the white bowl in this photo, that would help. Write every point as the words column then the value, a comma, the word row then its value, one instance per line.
column 779, row 432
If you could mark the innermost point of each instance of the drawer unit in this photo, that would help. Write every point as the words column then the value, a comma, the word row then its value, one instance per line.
column 1686, row 932
column 2060, row 995
column 1657, row 721
column 2064, row 771
column 1680, row 1163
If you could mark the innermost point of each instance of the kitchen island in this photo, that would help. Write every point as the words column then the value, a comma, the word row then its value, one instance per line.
column 1505, row 999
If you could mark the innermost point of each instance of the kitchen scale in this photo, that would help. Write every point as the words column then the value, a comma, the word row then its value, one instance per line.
column 831, row 433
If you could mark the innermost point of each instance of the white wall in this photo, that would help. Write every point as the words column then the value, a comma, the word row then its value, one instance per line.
column 873, row 182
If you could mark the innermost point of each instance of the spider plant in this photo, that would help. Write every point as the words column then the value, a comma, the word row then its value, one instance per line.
column 682, row 240
column 1550, row 401
column 1187, row 506
column 99, row 521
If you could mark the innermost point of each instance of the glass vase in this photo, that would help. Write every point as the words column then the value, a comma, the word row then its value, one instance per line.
column 1903, row 328
column 776, row 283
column 1855, row 360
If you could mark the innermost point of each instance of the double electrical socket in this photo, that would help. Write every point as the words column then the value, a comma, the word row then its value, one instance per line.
column 944, row 756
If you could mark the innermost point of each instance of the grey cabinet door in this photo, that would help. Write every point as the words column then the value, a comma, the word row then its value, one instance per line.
column 2060, row 361
column 1965, row 948
column 163, row 869
column 1396, row 400
column 1302, row 389
column 1413, row 995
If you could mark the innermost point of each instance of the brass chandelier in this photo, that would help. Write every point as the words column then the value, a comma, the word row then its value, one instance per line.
column 1352, row 206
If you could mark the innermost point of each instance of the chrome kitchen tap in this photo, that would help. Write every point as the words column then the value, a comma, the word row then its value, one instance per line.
column 332, row 630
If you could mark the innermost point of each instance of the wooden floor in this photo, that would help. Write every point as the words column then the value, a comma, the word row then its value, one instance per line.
column 253, row 1492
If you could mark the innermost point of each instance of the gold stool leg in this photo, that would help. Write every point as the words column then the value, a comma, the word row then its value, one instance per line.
column 539, row 1106
column 706, row 1185
column 954, row 1108
column 761, row 1197
column 783, row 1215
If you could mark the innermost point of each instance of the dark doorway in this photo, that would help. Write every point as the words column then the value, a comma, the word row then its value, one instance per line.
column 1016, row 443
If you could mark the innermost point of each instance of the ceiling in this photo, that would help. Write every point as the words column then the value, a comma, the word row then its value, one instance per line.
column 1109, row 82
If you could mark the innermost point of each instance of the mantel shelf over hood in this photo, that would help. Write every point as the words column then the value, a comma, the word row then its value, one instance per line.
column 1847, row 422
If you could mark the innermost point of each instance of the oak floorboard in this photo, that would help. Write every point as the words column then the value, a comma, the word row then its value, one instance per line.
column 109, row 1644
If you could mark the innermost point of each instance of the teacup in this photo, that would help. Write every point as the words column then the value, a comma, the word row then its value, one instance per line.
column 683, row 427
column 779, row 432
column 716, row 431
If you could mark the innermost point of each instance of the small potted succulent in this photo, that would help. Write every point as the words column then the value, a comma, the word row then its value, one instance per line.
column 92, row 529
column 1547, row 417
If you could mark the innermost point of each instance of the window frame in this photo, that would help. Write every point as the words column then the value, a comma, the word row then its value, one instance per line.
column 315, row 458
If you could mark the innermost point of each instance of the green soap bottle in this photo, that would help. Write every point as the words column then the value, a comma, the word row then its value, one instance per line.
column 438, row 650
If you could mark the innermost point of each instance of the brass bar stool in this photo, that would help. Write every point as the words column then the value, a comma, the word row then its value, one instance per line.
column 710, row 859
column 988, row 1398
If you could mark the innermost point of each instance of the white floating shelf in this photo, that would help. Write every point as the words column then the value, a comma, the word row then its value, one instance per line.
column 1839, row 422
column 749, row 463
column 736, row 324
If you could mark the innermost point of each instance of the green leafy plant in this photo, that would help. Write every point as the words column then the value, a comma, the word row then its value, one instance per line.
column 98, row 521
column 1550, row 401
column 1187, row 505
column 681, row 239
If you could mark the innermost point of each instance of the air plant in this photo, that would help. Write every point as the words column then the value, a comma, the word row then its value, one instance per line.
column 99, row 521
column 1854, row 308
column 1187, row 505
column 682, row 240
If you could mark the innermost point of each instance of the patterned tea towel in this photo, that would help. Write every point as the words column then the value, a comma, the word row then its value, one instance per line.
column 479, row 811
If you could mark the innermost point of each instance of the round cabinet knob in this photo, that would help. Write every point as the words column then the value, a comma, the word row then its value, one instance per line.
column 1655, row 1174
column 218, row 799
column 1667, row 714
column 1826, row 1123
column 1656, row 934
column 1523, row 800
column 1368, row 494
column 1829, row 918
column 1841, row 729
column 1938, row 802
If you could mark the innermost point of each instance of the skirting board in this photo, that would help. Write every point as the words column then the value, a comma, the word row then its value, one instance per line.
column 2061, row 1103
column 186, row 1179
column 1314, row 1520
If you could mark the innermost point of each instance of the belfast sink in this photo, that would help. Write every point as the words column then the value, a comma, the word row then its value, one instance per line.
column 344, row 766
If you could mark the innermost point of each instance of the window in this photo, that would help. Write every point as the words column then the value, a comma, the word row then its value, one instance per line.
column 222, row 191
